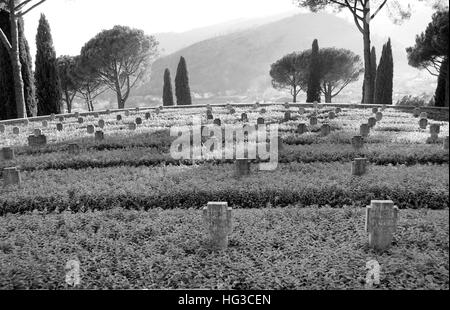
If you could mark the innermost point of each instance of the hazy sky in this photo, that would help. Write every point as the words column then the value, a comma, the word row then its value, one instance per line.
column 74, row 22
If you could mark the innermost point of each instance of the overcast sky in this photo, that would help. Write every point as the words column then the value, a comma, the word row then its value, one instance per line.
column 74, row 22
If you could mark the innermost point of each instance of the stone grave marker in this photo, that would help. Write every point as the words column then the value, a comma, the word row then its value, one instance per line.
column 331, row 115
column 287, row 116
column 379, row 116
column 74, row 149
column 209, row 116
column 37, row 132
column 372, row 122
column 217, row 216
column 2, row 128
column 302, row 128
column 232, row 111
column 301, row 110
column 59, row 127
column 364, row 130
column 338, row 110
column 423, row 115
column 242, row 167
column 99, row 135
column 26, row 122
column 101, row 123
column 138, row 121
column 244, row 117
column 147, row 115
column 16, row 130
column 157, row 111
column 313, row 121
column 96, row 115
column 263, row 111
column 119, row 118
column 359, row 166
column 374, row 110
column 11, row 176
column 357, row 142
column 61, row 119
column 127, row 113
column 37, row 141
column 44, row 124
column 217, row 122
column 434, row 132
column 52, row 117
column 80, row 120
column 90, row 129
column 77, row 114
column 423, row 123
column 7, row 153
column 381, row 223
column 416, row 112
column 446, row 143
column 287, row 105
column 132, row 126
column 325, row 130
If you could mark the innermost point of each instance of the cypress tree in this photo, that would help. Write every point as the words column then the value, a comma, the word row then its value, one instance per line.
column 48, row 90
column 313, row 92
column 385, row 77
column 167, row 89
column 441, row 97
column 182, row 90
column 8, row 109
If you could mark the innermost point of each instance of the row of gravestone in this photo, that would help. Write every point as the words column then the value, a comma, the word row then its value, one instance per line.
column 380, row 224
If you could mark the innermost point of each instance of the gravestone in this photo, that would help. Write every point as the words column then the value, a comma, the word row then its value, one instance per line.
column 26, row 122
column 338, row 110
column 209, row 116
column 108, row 112
column 374, row 110
column 99, row 135
column 37, row 141
column 325, row 130
column 217, row 216
column 313, row 121
column 96, row 115
column 119, row 118
column 301, row 110
column 101, row 123
column 37, row 132
column 263, row 111
column 331, row 115
column 416, row 112
column 379, row 116
column 232, row 111
column 59, row 127
column 7, row 153
column 287, row 105
column 242, row 167
column 52, row 117
column 132, row 126
column 16, row 130
column 77, row 114
column 2, row 128
column 260, row 121
column 157, row 111
column 80, row 120
column 217, row 122
column 435, row 129
column 359, row 166
column 244, row 117
column 11, row 176
column 423, row 123
column 280, row 144
column 74, row 149
column 90, row 129
column 138, row 121
column 357, row 142
column 315, row 105
column 147, row 115
column 127, row 113
column 446, row 143
column 423, row 115
column 381, row 223
column 61, row 119
column 372, row 122
column 301, row 129
column 44, row 124
column 364, row 130
column 287, row 116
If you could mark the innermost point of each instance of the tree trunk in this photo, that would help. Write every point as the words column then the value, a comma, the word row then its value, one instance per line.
column 16, row 65
column 368, row 91
column 294, row 95
column 68, row 102
column 328, row 97
column 446, row 83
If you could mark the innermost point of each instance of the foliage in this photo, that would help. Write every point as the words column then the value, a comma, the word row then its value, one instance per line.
column 121, row 57
column 384, row 82
column 291, row 72
column 67, row 75
column 182, row 89
column 294, row 248
column 313, row 91
column 48, row 87
column 167, row 89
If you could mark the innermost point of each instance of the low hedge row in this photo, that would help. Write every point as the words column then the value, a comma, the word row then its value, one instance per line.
column 287, row 249
column 193, row 186
column 378, row 154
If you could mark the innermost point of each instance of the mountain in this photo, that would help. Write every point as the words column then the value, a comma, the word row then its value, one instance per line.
column 170, row 42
